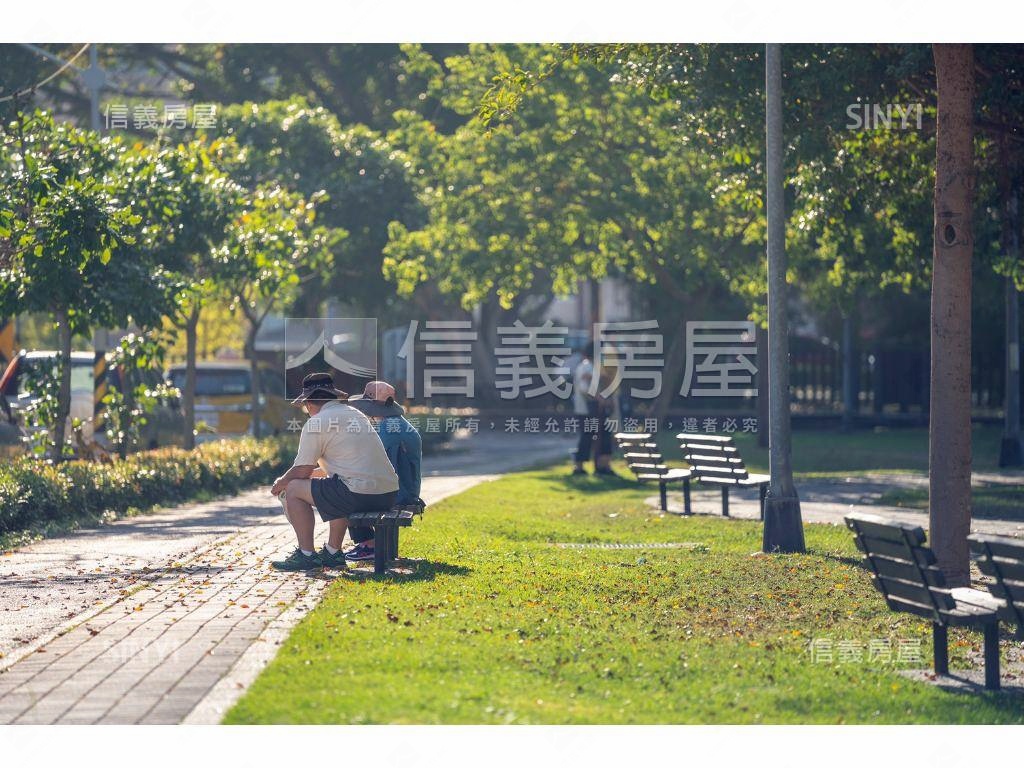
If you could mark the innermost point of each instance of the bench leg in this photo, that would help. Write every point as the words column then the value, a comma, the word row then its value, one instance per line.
column 393, row 543
column 940, row 644
column 725, row 501
column 686, row 497
column 763, row 492
column 380, row 549
column 992, row 656
column 663, row 495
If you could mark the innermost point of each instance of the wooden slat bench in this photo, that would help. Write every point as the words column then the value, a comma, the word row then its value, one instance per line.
column 715, row 459
column 1002, row 559
column 645, row 461
column 903, row 569
column 385, row 530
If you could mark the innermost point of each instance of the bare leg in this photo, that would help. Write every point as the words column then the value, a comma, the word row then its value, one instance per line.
column 336, row 535
column 284, row 507
column 299, row 508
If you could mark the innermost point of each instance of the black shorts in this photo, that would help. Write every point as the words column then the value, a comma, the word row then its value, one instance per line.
column 335, row 501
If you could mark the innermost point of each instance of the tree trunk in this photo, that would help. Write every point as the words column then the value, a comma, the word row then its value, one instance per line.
column 64, row 387
column 188, row 397
column 850, row 375
column 254, row 375
column 949, row 436
column 783, row 526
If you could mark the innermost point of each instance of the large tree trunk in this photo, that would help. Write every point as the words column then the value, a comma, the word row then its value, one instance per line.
column 949, row 436
column 783, row 525
column 188, row 397
column 64, row 388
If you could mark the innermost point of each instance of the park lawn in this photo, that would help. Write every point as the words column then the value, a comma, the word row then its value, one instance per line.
column 828, row 453
column 500, row 625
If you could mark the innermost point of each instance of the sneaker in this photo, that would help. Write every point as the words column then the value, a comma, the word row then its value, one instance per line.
column 607, row 472
column 297, row 561
column 579, row 471
column 337, row 560
column 359, row 553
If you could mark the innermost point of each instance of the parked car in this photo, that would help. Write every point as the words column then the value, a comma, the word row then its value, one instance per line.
column 165, row 426
column 224, row 398
column 11, row 443
column 14, row 385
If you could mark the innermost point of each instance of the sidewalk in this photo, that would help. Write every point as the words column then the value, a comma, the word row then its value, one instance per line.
column 828, row 500
column 168, row 616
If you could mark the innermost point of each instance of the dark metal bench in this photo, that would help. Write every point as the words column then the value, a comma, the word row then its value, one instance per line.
column 385, row 530
column 716, row 459
column 1002, row 559
column 903, row 569
column 646, row 462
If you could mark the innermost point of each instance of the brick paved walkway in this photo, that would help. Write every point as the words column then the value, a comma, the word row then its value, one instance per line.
column 181, row 640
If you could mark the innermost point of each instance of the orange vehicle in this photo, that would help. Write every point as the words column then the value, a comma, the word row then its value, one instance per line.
column 224, row 398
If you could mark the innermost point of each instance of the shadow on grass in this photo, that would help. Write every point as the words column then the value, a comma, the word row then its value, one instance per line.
column 852, row 560
column 399, row 571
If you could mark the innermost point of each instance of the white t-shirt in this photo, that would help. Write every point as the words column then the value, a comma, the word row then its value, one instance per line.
column 343, row 442
column 582, row 376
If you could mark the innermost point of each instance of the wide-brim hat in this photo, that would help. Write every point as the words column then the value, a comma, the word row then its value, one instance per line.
column 316, row 383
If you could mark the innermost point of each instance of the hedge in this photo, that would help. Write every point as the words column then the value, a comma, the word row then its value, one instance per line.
column 35, row 493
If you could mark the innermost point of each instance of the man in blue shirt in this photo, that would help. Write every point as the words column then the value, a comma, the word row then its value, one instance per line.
column 403, row 446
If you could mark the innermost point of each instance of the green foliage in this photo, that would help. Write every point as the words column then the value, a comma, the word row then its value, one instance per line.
column 41, row 380
column 586, row 179
column 272, row 249
column 70, row 242
column 68, row 233
column 34, row 494
column 359, row 181
column 128, row 406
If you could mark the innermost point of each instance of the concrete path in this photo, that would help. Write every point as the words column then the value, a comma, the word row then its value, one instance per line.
column 828, row 500
column 167, row 617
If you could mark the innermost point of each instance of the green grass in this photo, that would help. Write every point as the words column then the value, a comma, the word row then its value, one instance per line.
column 822, row 453
column 499, row 625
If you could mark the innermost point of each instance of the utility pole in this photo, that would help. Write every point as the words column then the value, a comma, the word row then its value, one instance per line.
column 94, row 78
column 783, row 526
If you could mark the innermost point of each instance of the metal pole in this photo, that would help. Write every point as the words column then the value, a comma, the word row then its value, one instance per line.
column 783, row 527
column 95, row 83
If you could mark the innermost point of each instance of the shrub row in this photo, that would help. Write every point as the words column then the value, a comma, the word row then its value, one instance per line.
column 34, row 493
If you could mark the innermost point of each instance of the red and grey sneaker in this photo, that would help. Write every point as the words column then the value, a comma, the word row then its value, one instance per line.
column 359, row 553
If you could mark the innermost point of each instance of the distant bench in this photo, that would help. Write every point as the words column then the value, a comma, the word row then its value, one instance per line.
column 385, row 530
column 715, row 459
column 645, row 461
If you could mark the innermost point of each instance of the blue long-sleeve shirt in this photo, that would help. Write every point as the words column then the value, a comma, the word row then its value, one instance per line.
column 404, row 448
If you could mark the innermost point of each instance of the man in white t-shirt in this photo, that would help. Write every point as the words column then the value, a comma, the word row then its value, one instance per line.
column 341, row 467
column 584, row 406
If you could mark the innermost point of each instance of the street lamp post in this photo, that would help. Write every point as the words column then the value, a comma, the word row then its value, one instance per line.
column 783, row 527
